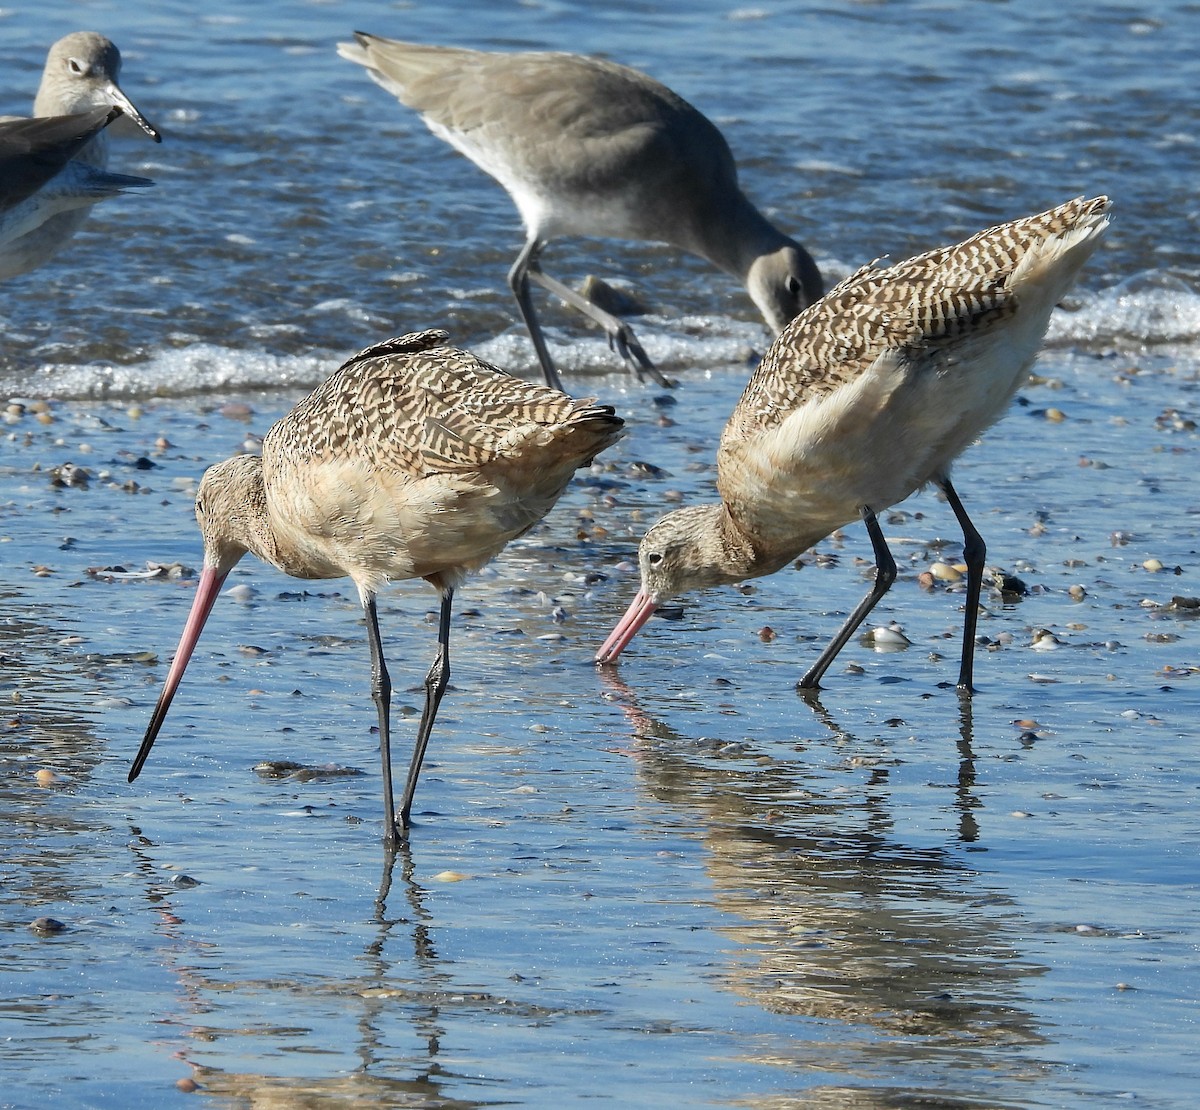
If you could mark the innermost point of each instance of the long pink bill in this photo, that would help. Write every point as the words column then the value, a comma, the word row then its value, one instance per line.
column 639, row 612
column 207, row 590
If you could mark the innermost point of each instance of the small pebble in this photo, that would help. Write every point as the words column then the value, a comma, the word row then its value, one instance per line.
column 450, row 877
column 187, row 1086
column 766, row 634
column 944, row 572
column 46, row 777
column 47, row 926
column 1077, row 593
column 1055, row 416
column 1153, row 565
column 889, row 637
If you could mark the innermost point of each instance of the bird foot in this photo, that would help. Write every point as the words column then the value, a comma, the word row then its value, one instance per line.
column 633, row 354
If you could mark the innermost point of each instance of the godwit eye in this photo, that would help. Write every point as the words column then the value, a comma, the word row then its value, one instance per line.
column 654, row 558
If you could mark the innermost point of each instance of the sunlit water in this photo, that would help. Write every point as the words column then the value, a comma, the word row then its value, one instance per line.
column 677, row 881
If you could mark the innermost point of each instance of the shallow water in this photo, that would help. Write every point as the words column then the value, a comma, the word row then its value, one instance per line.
column 676, row 879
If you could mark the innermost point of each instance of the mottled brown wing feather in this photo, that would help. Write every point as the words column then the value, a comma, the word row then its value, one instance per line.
column 413, row 406
column 918, row 304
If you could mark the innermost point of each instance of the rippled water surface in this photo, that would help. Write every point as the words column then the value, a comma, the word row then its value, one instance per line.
column 675, row 880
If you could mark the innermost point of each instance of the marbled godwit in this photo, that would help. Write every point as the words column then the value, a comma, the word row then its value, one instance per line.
column 590, row 148
column 81, row 74
column 414, row 460
column 863, row 399
column 39, row 176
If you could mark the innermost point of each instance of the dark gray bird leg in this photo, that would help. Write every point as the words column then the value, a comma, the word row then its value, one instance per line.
column 435, row 687
column 518, row 280
column 620, row 334
column 885, row 575
column 974, row 554
column 381, row 691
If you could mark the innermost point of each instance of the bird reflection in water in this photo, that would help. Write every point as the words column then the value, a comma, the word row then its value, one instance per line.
column 836, row 915
column 397, row 989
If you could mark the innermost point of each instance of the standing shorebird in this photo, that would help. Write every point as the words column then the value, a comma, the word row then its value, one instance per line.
column 40, row 176
column 866, row 397
column 81, row 74
column 414, row 460
column 590, row 148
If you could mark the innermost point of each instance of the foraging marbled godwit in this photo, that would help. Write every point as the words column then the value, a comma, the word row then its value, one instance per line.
column 40, row 177
column 590, row 148
column 81, row 74
column 864, row 398
column 414, row 460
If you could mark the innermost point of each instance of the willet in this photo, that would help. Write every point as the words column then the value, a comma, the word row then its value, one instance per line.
column 864, row 398
column 81, row 74
column 40, row 177
column 590, row 148
column 414, row 460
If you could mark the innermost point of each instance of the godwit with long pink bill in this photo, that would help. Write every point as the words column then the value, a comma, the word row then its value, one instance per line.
column 867, row 396
column 590, row 148
column 81, row 74
column 41, row 177
column 414, row 460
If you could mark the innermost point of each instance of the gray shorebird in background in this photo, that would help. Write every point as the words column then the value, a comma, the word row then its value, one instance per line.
column 414, row 460
column 590, row 148
column 864, row 398
column 40, row 176
column 80, row 75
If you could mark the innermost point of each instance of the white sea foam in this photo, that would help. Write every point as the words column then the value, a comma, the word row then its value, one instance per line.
column 201, row 368
column 1148, row 311
column 1151, row 309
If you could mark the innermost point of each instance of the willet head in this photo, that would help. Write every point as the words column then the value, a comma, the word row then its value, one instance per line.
column 82, row 71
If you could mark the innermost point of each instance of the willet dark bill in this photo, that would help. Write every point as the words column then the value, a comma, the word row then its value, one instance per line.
column 414, row 460
column 41, row 177
column 590, row 148
column 865, row 397
column 80, row 75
